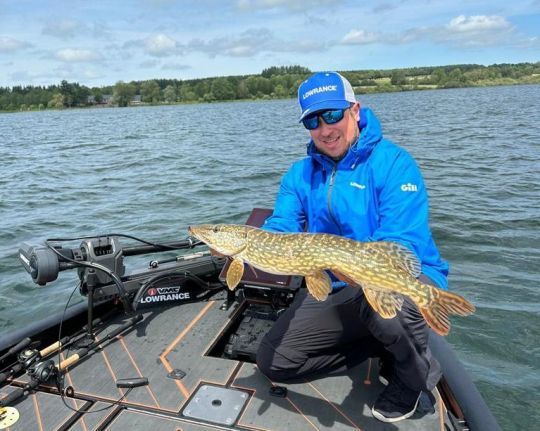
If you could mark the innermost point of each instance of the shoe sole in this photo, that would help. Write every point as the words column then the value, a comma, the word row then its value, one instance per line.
column 382, row 418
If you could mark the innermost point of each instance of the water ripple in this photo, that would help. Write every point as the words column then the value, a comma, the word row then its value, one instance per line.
column 152, row 171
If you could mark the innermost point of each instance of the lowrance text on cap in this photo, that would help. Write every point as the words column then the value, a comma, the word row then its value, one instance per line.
column 318, row 90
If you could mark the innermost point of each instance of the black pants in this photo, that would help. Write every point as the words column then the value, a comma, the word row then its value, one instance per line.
column 328, row 337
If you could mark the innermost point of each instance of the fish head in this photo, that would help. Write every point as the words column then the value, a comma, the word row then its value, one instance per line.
column 227, row 239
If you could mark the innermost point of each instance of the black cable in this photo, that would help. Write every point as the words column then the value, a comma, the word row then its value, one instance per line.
column 119, row 284
column 168, row 247
column 60, row 378
column 113, row 403
column 128, row 307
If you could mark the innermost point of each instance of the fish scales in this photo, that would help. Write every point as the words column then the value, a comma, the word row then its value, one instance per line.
column 384, row 270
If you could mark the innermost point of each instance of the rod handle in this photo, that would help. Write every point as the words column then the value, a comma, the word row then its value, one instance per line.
column 69, row 361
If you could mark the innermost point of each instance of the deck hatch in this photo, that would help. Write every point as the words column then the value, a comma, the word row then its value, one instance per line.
column 216, row 404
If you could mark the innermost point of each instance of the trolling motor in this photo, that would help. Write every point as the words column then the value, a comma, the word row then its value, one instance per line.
column 100, row 265
column 44, row 262
column 99, row 262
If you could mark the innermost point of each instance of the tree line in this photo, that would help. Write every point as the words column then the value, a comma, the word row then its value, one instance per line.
column 276, row 82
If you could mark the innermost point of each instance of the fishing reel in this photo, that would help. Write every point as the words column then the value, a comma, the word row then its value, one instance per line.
column 28, row 357
column 43, row 371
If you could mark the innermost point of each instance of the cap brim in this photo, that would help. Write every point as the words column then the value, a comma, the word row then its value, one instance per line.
column 325, row 105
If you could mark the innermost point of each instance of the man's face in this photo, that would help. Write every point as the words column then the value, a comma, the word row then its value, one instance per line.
column 335, row 139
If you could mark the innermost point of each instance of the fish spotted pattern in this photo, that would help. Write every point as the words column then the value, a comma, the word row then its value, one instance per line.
column 385, row 270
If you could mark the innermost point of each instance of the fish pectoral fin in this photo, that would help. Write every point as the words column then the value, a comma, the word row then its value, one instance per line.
column 319, row 285
column 386, row 303
column 234, row 273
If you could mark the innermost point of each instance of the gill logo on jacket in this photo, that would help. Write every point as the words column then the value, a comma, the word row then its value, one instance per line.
column 409, row 187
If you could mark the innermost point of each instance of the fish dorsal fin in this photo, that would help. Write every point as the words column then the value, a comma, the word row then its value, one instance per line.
column 384, row 302
column 319, row 285
column 234, row 273
column 400, row 256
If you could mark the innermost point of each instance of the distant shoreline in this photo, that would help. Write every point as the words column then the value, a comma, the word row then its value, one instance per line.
column 272, row 84
column 357, row 92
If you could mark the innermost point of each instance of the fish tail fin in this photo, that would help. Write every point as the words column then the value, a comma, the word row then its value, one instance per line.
column 442, row 304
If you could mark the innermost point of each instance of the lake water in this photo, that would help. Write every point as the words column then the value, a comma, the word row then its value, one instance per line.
column 152, row 171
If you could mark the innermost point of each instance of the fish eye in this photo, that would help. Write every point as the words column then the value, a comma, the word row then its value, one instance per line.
column 215, row 229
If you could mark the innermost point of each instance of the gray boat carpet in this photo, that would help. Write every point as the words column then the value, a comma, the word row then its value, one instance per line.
column 179, row 339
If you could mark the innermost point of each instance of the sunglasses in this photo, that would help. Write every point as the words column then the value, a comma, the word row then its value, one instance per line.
column 331, row 116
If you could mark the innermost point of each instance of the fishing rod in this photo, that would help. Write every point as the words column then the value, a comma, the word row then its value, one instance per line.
column 44, row 371
column 28, row 356
column 25, row 342
column 99, row 261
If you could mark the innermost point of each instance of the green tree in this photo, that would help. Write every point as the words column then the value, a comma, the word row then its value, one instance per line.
column 57, row 101
column 439, row 76
column 169, row 93
column 201, row 88
column 186, row 93
column 222, row 89
column 398, row 78
column 98, row 96
column 123, row 93
column 280, row 91
column 150, row 92
column 285, row 70
column 66, row 90
column 242, row 92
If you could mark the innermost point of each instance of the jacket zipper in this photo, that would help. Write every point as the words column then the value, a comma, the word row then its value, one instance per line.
column 329, row 197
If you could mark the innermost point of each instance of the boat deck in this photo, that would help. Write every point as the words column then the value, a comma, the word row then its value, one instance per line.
column 214, row 393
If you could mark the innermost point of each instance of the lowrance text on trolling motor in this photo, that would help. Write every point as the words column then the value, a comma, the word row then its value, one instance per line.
column 161, row 294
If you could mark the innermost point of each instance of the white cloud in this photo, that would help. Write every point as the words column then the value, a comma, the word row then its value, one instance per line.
column 70, row 55
column 461, row 31
column 160, row 45
column 303, row 5
column 360, row 37
column 478, row 23
column 476, row 30
column 8, row 44
column 251, row 43
column 63, row 29
column 92, row 74
column 148, row 64
column 175, row 66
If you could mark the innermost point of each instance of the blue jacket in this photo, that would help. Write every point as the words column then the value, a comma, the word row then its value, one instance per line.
column 375, row 193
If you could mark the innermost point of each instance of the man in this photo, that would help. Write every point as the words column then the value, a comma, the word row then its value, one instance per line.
column 359, row 185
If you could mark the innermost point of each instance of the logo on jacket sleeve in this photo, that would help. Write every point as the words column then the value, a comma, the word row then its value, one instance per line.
column 409, row 187
column 358, row 186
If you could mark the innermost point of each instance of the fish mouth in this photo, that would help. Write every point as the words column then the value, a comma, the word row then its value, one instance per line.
column 192, row 231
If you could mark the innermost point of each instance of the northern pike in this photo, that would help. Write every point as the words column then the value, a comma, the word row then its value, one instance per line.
column 384, row 270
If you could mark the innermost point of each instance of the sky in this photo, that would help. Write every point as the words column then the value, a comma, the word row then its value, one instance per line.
column 98, row 43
